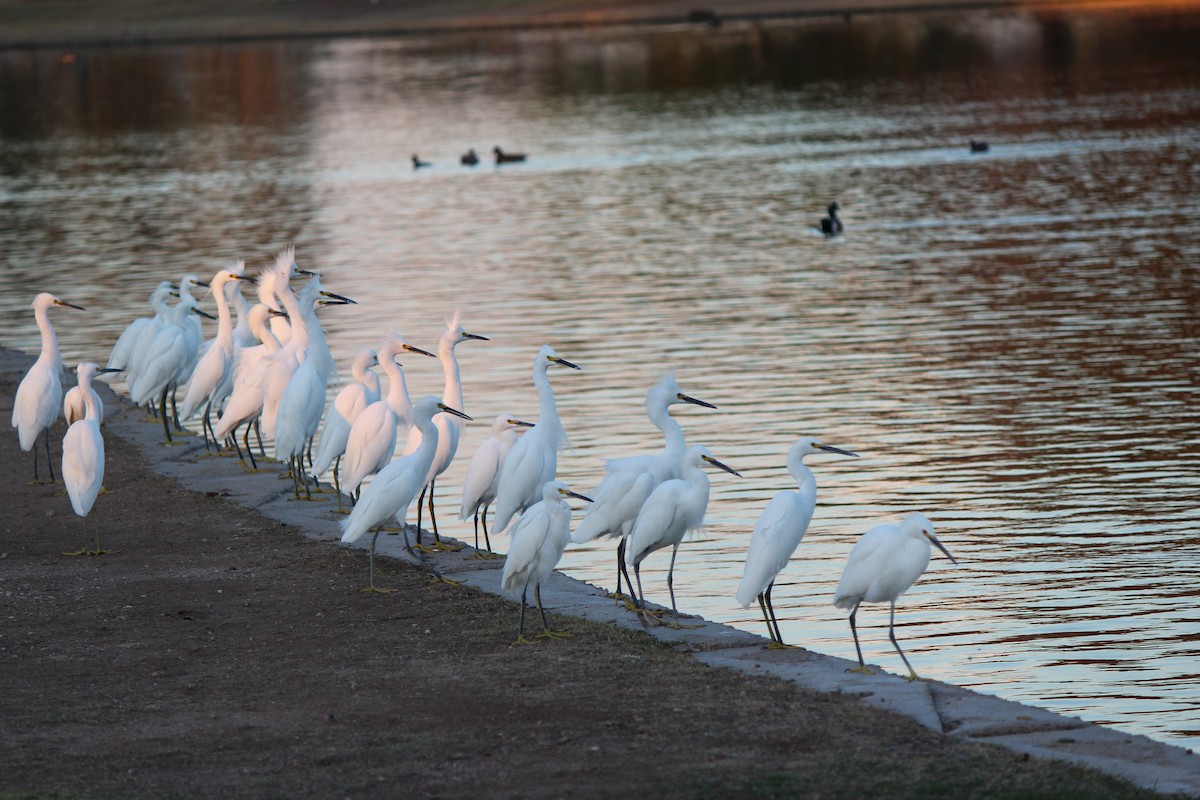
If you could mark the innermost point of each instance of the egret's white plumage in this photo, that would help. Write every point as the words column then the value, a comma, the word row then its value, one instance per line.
column 75, row 402
column 398, row 483
column 779, row 530
column 533, row 461
column 449, row 427
column 538, row 540
column 39, row 396
column 883, row 564
column 83, row 454
column 629, row 481
column 349, row 403
column 138, row 333
column 674, row 508
column 483, row 473
column 372, row 439
column 217, row 362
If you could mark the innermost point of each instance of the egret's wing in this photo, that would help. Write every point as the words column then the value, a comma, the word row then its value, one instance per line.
column 481, row 472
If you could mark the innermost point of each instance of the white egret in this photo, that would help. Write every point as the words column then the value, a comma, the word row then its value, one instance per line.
column 244, row 404
column 778, row 533
column 165, row 360
column 217, row 362
column 194, row 336
column 83, row 458
column 39, row 395
column 372, row 439
column 303, row 398
column 449, row 429
column 629, row 481
column 533, row 461
column 130, row 338
column 398, row 483
column 538, row 541
column 883, row 564
column 75, row 404
column 483, row 473
column 673, row 509
column 345, row 409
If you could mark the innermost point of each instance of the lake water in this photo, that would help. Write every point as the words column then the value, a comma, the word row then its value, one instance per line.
column 1009, row 339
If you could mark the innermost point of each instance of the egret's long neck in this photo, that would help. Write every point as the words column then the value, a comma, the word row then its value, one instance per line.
column 240, row 306
column 427, row 449
column 452, row 393
column 300, row 337
column 224, row 321
column 660, row 415
column 49, row 353
column 801, row 472
column 89, row 398
column 547, row 408
column 397, row 397
column 158, row 301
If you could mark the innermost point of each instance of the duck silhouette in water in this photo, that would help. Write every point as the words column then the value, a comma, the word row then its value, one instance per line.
column 507, row 158
column 831, row 225
column 469, row 158
column 418, row 163
column 979, row 146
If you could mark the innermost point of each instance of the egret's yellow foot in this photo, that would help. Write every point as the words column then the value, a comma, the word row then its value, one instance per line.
column 915, row 677
column 346, row 512
column 99, row 552
column 424, row 548
column 250, row 469
column 61, row 493
column 173, row 443
column 484, row 555
column 782, row 646
column 447, row 581
column 447, row 547
column 103, row 490
column 83, row 551
column 392, row 531
column 862, row 670
column 675, row 624
column 523, row 640
column 377, row 590
column 553, row 635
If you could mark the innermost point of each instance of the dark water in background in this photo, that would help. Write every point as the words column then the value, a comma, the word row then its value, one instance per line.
column 1009, row 339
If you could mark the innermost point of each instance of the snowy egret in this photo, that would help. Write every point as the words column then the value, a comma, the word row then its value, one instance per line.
column 372, row 438
column 302, row 400
column 39, row 396
column 75, row 404
column 449, row 429
column 538, row 541
column 533, row 461
column 629, row 481
column 483, row 473
column 245, row 401
column 398, row 483
column 883, row 564
column 831, row 225
column 779, row 531
column 166, row 359
column 343, row 411
column 83, row 458
column 216, row 363
column 129, row 340
column 673, row 509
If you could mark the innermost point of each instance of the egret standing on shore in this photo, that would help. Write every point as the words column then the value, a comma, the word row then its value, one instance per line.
column 538, row 541
column 398, row 483
column 483, row 473
column 883, row 564
column 673, row 509
column 778, row 533
column 533, row 461
column 75, row 404
column 83, row 458
column 39, row 396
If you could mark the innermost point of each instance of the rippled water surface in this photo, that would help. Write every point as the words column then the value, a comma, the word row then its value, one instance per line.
column 1008, row 339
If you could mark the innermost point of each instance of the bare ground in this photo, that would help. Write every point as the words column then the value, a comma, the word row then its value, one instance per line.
column 216, row 653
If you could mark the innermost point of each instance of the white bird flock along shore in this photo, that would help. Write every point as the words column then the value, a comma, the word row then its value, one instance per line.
column 268, row 369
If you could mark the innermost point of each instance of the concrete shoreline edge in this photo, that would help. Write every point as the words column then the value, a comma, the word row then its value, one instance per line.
column 938, row 706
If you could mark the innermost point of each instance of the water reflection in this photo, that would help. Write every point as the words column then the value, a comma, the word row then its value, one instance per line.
column 1009, row 340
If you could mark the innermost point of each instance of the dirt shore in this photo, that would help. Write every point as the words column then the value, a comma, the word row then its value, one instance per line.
column 215, row 653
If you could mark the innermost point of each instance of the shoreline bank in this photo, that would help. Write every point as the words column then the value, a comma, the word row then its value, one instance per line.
column 220, row 485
